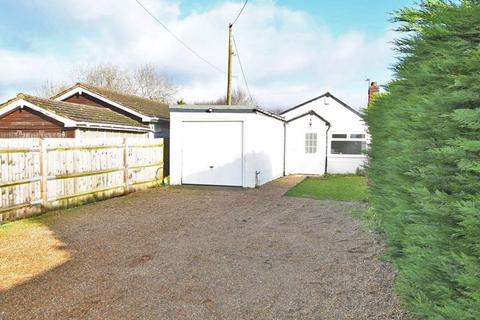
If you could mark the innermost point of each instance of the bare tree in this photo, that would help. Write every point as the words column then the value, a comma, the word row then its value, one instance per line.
column 49, row 89
column 147, row 83
column 239, row 97
column 105, row 76
column 143, row 81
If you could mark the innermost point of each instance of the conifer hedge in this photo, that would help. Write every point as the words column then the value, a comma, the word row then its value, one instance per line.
column 424, row 170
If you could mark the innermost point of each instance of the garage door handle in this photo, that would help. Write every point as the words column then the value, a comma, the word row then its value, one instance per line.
column 211, row 167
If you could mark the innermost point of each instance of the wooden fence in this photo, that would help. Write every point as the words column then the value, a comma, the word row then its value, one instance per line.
column 37, row 175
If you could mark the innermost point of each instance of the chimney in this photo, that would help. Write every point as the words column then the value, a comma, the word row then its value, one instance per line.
column 373, row 90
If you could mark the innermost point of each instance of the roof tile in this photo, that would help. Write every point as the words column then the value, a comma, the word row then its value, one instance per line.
column 141, row 105
column 81, row 113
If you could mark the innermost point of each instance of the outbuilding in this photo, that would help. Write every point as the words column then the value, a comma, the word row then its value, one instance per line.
column 32, row 117
column 225, row 145
column 149, row 112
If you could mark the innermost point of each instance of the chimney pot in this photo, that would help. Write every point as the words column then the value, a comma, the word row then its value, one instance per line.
column 373, row 90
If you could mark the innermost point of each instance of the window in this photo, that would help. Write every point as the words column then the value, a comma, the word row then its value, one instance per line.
column 310, row 143
column 348, row 147
column 355, row 145
column 357, row 136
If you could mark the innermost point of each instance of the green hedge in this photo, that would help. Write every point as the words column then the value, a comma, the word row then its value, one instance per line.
column 424, row 171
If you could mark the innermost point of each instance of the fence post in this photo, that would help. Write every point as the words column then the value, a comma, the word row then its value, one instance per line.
column 125, row 164
column 43, row 172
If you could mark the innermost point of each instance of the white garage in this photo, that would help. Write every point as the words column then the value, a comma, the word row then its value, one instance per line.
column 225, row 145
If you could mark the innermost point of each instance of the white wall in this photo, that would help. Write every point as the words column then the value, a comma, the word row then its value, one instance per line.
column 297, row 160
column 267, row 136
column 176, row 147
column 342, row 120
column 262, row 144
column 345, row 164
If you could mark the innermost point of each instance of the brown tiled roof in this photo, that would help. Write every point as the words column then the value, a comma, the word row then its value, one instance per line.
column 141, row 105
column 80, row 112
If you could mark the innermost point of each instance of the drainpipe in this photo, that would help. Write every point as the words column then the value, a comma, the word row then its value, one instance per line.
column 284, row 147
column 326, row 148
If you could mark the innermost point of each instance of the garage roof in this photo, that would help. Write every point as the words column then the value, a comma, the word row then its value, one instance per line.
column 223, row 109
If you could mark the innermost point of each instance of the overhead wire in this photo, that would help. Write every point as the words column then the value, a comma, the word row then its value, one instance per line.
column 243, row 71
column 240, row 13
column 189, row 48
column 180, row 40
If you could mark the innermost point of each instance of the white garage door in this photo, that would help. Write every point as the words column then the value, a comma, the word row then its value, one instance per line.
column 212, row 153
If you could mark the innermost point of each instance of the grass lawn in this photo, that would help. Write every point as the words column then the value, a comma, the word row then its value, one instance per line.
column 332, row 187
column 28, row 248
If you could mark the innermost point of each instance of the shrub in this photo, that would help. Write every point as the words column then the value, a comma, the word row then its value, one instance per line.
column 424, row 169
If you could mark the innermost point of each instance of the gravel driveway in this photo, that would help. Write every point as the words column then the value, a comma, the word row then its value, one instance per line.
column 209, row 253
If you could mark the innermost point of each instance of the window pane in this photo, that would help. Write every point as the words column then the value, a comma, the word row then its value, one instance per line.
column 357, row 136
column 348, row 147
column 310, row 143
column 339, row 136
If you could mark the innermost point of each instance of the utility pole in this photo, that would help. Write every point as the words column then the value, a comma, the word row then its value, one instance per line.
column 229, row 75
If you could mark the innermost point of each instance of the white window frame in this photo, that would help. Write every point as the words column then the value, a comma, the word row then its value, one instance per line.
column 348, row 138
column 311, row 143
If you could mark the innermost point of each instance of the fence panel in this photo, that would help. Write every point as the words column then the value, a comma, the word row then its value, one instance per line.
column 83, row 166
column 41, row 174
column 145, row 161
column 19, row 173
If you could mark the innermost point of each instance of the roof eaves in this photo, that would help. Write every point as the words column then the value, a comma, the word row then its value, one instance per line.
column 346, row 105
column 61, row 109
column 270, row 114
column 311, row 112
column 25, row 101
column 64, row 91
column 326, row 94
column 224, row 109
column 87, row 90
column 95, row 125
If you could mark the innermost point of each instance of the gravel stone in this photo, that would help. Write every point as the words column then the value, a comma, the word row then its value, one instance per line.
column 210, row 253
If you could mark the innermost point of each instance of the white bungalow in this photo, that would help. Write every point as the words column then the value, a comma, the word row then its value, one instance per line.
column 324, row 135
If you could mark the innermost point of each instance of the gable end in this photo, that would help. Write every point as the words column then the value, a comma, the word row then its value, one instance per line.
column 311, row 113
column 101, row 100
column 328, row 95
column 89, row 100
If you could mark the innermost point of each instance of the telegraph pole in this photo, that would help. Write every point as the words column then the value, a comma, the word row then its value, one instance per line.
column 229, row 75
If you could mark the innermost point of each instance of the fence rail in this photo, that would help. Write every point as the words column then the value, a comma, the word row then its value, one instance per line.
column 43, row 174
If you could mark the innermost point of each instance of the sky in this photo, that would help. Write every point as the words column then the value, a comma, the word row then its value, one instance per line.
column 291, row 50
